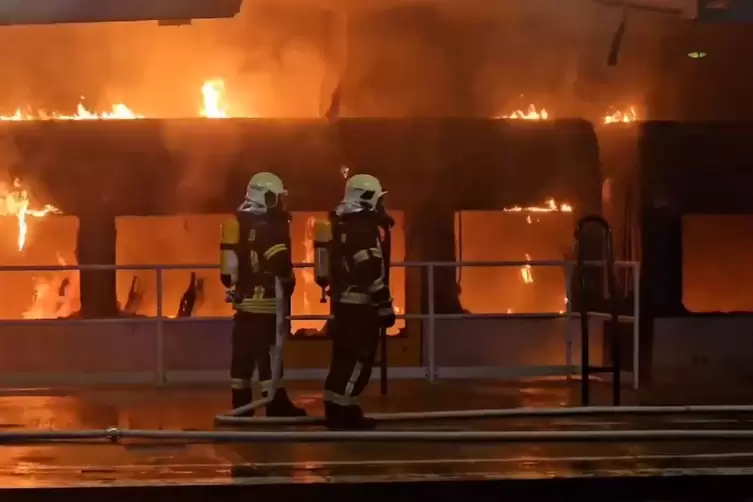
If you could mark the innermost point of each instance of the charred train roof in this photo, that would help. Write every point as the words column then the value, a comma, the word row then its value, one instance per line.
column 152, row 167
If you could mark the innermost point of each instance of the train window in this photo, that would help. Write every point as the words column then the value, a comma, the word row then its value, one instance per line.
column 717, row 271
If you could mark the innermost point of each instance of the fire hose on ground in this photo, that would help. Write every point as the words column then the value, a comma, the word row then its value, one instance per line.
column 115, row 435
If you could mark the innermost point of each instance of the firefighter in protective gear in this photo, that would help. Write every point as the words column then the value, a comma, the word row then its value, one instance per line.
column 361, row 299
column 255, row 250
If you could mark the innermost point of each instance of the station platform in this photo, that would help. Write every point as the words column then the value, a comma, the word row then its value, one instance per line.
column 187, row 470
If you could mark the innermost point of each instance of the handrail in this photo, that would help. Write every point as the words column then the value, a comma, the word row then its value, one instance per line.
column 585, row 362
column 402, row 264
column 431, row 316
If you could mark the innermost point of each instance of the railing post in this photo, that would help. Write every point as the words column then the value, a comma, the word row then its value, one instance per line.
column 636, row 324
column 161, row 377
column 567, row 268
column 430, row 341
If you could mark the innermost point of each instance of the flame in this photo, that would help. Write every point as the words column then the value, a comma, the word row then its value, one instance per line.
column 621, row 117
column 119, row 111
column 214, row 107
column 53, row 297
column 308, row 273
column 15, row 202
column 526, row 273
column 550, row 206
column 531, row 114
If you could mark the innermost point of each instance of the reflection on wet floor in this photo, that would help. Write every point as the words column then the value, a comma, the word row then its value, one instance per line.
column 194, row 408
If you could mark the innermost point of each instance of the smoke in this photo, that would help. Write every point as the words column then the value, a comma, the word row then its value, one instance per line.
column 282, row 59
column 159, row 70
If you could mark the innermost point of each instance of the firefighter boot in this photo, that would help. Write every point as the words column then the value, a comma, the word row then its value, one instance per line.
column 282, row 406
column 242, row 397
column 348, row 418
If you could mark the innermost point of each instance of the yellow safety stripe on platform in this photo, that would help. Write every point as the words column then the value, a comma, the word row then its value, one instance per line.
column 355, row 298
column 376, row 285
column 240, row 383
column 273, row 250
column 331, row 397
column 361, row 256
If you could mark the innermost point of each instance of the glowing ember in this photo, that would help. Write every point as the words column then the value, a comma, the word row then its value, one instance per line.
column 14, row 201
column 550, row 206
column 621, row 117
column 531, row 114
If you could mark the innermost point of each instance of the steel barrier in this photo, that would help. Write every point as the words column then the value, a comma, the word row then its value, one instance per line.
column 430, row 317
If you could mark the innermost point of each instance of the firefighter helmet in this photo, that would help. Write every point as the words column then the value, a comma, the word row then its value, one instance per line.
column 363, row 190
column 264, row 190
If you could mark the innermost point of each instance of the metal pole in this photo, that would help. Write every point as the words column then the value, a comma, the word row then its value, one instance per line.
column 568, row 320
column 585, row 362
column 383, row 362
column 431, row 325
column 438, row 436
column 609, row 436
column 161, row 375
column 636, row 325
column 509, row 413
column 615, row 307
column 459, row 275
column 383, row 353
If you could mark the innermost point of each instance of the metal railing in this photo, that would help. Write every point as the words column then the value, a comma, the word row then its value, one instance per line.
column 430, row 317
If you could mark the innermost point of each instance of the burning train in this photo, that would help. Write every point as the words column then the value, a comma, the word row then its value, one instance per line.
column 155, row 216
column 119, row 181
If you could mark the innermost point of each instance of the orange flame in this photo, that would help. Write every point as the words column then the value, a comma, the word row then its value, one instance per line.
column 550, row 206
column 526, row 273
column 213, row 106
column 119, row 111
column 531, row 114
column 15, row 202
column 621, row 117
column 308, row 273
column 53, row 297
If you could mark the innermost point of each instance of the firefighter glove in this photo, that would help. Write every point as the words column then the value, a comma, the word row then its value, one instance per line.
column 232, row 296
column 288, row 285
column 386, row 314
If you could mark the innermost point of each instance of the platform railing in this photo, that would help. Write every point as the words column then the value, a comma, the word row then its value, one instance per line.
column 430, row 317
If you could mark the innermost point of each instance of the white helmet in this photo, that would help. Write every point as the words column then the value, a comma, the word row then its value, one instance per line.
column 364, row 191
column 264, row 191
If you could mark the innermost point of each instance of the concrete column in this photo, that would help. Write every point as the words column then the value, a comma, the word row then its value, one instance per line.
column 95, row 245
column 430, row 236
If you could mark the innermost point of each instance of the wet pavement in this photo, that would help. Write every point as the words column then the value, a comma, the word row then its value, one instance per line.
column 160, row 463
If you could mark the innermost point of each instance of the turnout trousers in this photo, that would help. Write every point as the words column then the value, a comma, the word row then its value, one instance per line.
column 355, row 337
column 253, row 340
